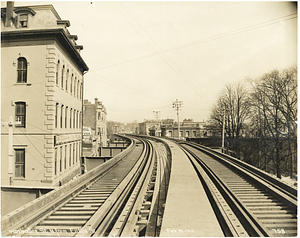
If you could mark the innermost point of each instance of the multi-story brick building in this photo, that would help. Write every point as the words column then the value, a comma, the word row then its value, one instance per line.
column 42, row 88
column 94, row 117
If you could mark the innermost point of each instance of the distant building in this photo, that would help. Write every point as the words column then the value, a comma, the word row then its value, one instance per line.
column 169, row 128
column 94, row 117
column 149, row 127
column 188, row 129
column 41, row 87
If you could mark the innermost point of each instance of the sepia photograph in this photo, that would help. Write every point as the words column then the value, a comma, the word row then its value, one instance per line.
column 149, row 118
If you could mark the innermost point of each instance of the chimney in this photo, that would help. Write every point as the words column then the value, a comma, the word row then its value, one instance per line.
column 96, row 101
column 9, row 14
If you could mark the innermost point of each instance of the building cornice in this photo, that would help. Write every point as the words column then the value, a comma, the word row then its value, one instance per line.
column 57, row 34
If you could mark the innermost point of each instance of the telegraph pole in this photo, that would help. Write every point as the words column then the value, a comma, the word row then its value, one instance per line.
column 156, row 115
column 11, row 123
column 177, row 105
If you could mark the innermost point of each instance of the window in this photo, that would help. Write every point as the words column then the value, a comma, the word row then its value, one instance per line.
column 60, row 159
column 78, row 85
column 56, row 73
column 66, row 114
column 75, row 87
column 65, row 157
column 74, row 115
column 56, row 112
column 21, row 113
column 80, row 120
column 61, row 116
column 70, row 155
column 77, row 118
column 71, row 117
column 20, row 163
column 74, row 153
column 22, row 70
column 80, row 96
column 62, row 77
column 71, row 84
column 194, row 133
column 67, row 76
column 55, row 162
column 23, row 20
column 77, row 149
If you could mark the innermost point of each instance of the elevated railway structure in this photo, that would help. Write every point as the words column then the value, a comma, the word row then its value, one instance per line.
column 158, row 187
column 244, row 196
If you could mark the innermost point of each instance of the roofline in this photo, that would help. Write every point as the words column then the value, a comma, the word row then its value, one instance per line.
column 57, row 33
column 39, row 7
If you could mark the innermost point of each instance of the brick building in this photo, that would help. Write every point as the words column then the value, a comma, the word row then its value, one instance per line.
column 94, row 117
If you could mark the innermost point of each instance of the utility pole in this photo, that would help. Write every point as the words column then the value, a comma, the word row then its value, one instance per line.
column 156, row 115
column 177, row 105
column 10, row 146
column 223, row 132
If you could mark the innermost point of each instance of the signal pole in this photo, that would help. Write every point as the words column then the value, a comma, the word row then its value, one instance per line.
column 177, row 105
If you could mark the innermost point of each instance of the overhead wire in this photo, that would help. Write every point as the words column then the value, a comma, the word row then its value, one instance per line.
column 126, row 88
column 166, row 59
column 216, row 37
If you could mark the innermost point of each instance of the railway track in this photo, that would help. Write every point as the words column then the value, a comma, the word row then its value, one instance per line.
column 124, row 199
column 247, row 201
column 96, row 203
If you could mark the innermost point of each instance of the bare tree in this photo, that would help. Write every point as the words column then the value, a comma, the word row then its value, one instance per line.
column 234, row 104
column 274, row 99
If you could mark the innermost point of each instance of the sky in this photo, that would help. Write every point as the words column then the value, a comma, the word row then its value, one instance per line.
column 142, row 56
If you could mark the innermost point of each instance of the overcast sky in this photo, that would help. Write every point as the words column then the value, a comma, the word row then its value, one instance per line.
column 143, row 56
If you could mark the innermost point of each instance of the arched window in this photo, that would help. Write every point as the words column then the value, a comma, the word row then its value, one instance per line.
column 56, row 74
column 56, row 115
column 71, row 113
column 67, row 78
column 78, row 86
column 75, row 81
column 21, row 114
column 80, row 91
column 62, row 76
column 61, row 116
column 22, row 70
column 71, row 84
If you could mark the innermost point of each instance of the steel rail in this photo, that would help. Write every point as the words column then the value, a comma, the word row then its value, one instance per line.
column 248, row 226
column 35, row 211
column 152, row 209
column 260, row 226
column 105, row 215
column 125, row 224
column 276, row 183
